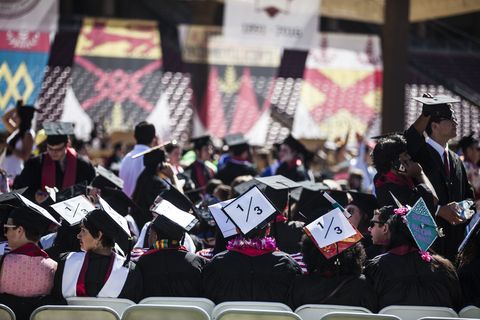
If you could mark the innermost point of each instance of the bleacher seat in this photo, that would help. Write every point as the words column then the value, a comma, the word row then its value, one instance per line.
column 314, row 311
column 256, row 314
column 204, row 303
column 249, row 305
column 164, row 312
column 117, row 304
column 6, row 313
column 417, row 312
column 50, row 312
column 355, row 316
column 470, row 312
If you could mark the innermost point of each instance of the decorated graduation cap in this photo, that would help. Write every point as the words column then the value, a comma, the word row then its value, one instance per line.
column 332, row 233
column 171, row 221
column 201, row 141
column 177, row 198
column 73, row 210
column 106, row 178
column 250, row 211
column 109, row 221
column 31, row 215
column 365, row 201
column 224, row 223
column 58, row 132
column 438, row 107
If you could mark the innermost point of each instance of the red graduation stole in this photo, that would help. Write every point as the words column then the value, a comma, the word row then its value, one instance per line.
column 49, row 170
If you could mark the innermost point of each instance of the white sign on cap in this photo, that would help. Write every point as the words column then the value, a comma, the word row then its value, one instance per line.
column 37, row 208
column 74, row 210
column 330, row 228
column 249, row 210
column 224, row 223
column 119, row 219
column 180, row 217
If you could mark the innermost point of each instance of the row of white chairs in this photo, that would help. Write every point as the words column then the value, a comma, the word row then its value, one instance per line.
column 179, row 308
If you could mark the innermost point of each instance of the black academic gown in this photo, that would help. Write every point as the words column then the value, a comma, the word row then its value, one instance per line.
column 171, row 273
column 200, row 174
column 233, row 276
column 293, row 170
column 448, row 189
column 31, row 175
column 234, row 168
column 98, row 266
column 409, row 280
column 348, row 290
column 470, row 281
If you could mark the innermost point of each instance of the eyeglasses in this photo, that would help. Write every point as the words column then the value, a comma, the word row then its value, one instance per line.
column 8, row 226
column 373, row 222
column 52, row 149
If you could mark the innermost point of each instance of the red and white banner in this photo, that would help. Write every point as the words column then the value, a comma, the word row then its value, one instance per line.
column 289, row 24
column 30, row 15
column 342, row 85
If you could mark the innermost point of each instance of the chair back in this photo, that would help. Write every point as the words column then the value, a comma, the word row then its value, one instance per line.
column 249, row 305
column 164, row 312
column 417, row 312
column 255, row 314
column 470, row 312
column 315, row 311
column 204, row 303
column 356, row 316
column 6, row 313
column 51, row 312
column 117, row 304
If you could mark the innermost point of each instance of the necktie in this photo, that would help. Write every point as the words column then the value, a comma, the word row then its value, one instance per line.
column 446, row 165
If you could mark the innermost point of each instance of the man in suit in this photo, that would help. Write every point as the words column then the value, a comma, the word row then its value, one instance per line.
column 442, row 166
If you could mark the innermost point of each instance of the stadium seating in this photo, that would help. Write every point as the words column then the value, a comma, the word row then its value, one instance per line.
column 470, row 312
column 117, row 304
column 249, row 305
column 356, row 316
column 417, row 312
column 6, row 313
column 164, row 312
column 203, row 303
column 314, row 311
column 50, row 312
column 256, row 314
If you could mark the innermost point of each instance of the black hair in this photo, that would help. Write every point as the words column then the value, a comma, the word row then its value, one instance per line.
column 384, row 213
column 30, row 234
column 171, row 146
column 348, row 262
column 144, row 133
column 95, row 232
column 399, row 232
column 387, row 150
column 239, row 150
column 26, row 116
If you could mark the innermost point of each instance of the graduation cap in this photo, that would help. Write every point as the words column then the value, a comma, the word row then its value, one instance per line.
column 422, row 225
column 236, row 142
column 106, row 178
column 31, row 215
column 72, row 191
column 172, row 221
column 119, row 201
column 365, row 201
column 332, row 233
column 297, row 146
column 438, row 107
column 154, row 152
column 73, row 210
column 310, row 202
column 177, row 198
column 343, row 198
column 224, row 223
column 472, row 234
column 11, row 198
column 201, row 141
column 58, row 132
column 109, row 221
column 250, row 211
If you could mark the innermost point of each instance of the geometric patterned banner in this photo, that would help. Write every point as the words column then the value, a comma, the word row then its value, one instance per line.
column 23, row 56
column 342, row 87
column 116, row 75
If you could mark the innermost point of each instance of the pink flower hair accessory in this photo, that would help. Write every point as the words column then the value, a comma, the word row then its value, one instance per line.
column 401, row 211
column 425, row 256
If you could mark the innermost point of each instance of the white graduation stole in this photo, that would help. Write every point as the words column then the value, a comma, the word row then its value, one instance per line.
column 112, row 287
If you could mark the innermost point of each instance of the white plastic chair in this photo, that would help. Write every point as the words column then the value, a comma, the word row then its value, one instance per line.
column 417, row 312
column 470, row 312
column 356, row 316
column 255, row 314
column 164, row 312
column 443, row 318
column 6, row 313
column 117, row 304
column 315, row 311
column 50, row 312
column 204, row 303
column 249, row 305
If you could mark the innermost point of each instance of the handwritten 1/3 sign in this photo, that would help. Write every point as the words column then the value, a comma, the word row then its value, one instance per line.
column 74, row 210
column 330, row 228
column 224, row 223
column 249, row 210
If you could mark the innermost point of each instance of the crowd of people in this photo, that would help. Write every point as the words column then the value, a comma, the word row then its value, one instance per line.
column 145, row 227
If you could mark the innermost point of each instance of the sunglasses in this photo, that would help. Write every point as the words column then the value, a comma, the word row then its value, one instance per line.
column 8, row 226
column 373, row 222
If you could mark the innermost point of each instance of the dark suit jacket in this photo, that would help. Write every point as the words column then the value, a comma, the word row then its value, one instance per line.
column 454, row 188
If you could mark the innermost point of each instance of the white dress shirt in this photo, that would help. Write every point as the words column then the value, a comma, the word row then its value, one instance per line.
column 130, row 169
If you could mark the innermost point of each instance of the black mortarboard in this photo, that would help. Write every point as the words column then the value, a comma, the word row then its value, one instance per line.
column 201, row 141
column 32, row 216
column 58, row 132
column 106, row 178
column 236, row 142
column 468, row 141
column 178, row 199
column 342, row 197
column 109, row 221
column 72, row 191
column 365, row 201
column 171, row 221
column 438, row 107
column 310, row 202
column 10, row 198
column 276, row 189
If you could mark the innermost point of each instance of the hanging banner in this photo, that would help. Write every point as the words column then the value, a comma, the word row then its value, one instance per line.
column 23, row 56
column 29, row 15
column 239, row 85
column 291, row 24
column 342, row 87
column 116, row 75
